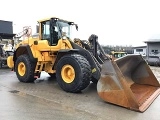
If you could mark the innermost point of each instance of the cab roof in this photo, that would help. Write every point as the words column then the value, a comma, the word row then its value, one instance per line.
column 46, row 19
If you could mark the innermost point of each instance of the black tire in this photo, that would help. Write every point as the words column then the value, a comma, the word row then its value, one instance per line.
column 29, row 71
column 82, row 70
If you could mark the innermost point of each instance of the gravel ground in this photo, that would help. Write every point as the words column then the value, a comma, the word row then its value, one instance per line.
column 44, row 99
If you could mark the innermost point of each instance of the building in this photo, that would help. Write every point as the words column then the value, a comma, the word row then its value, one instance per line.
column 153, row 50
column 6, row 33
column 6, row 30
column 142, row 50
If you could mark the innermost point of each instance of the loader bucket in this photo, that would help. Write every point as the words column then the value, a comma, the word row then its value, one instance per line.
column 128, row 82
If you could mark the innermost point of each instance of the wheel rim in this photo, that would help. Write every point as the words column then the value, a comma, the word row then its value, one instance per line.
column 68, row 73
column 21, row 69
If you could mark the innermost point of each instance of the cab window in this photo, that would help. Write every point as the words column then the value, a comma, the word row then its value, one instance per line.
column 46, row 30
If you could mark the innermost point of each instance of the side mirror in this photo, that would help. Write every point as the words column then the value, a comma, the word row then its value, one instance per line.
column 76, row 27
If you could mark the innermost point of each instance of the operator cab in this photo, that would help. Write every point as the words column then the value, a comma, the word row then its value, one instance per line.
column 53, row 29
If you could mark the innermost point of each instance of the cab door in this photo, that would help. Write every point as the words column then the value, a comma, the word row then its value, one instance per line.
column 50, row 33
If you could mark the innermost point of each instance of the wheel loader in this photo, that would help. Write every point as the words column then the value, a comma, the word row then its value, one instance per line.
column 117, row 54
column 126, row 82
column 3, row 56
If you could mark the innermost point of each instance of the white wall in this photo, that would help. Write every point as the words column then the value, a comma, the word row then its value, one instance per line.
column 154, row 46
column 141, row 51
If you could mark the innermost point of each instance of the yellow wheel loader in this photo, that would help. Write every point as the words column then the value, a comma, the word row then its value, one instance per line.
column 127, row 82
column 118, row 54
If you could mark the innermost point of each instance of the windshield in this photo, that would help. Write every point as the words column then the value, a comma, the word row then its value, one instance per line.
column 66, row 28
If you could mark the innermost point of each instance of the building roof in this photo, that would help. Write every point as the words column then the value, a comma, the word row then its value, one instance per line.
column 140, row 47
column 153, row 39
column 6, row 21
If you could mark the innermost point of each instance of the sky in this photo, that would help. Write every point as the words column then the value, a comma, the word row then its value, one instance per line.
column 116, row 22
